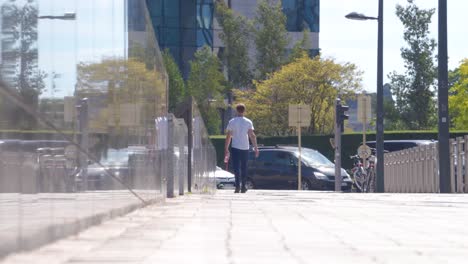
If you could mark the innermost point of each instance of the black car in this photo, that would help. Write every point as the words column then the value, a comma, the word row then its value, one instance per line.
column 277, row 168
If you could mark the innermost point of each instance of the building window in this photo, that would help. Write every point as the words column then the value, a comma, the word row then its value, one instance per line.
column 302, row 14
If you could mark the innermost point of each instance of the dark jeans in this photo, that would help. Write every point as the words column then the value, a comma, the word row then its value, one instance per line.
column 239, row 165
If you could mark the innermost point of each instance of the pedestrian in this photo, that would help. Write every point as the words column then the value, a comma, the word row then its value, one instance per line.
column 240, row 129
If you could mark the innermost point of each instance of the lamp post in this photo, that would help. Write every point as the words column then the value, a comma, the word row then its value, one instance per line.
column 380, row 109
column 444, row 149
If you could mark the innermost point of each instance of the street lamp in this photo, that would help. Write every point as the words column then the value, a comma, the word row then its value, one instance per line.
column 359, row 16
column 380, row 109
column 66, row 16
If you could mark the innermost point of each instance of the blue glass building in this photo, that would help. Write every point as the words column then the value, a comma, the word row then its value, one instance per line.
column 182, row 26
column 302, row 14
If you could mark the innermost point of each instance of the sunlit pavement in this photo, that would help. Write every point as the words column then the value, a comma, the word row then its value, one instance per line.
column 275, row 227
column 31, row 220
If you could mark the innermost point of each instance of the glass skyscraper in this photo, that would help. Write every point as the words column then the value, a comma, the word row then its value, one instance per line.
column 302, row 14
column 182, row 26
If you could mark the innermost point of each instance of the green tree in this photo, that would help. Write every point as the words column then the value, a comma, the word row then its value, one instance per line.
column 176, row 82
column 206, row 84
column 235, row 36
column 414, row 90
column 270, row 37
column 315, row 82
column 458, row 99
column 134, row 94
column 20, row 23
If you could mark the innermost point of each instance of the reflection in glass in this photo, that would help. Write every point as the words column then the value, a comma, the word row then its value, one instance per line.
column 302, row 14
column 79, row 103
column 183, row 27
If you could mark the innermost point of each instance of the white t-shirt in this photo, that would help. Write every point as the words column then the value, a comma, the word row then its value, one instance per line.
column 239, row 126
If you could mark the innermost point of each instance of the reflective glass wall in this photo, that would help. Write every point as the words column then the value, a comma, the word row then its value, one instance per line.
column 81, row 85
column 183, row 26
column 302, row 14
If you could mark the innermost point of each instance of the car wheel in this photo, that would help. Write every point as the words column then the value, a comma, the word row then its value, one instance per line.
column 249, row 184
column 305, row 185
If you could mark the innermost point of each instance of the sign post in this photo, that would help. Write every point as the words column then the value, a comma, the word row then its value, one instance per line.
column 299, row 116
column 364, row 115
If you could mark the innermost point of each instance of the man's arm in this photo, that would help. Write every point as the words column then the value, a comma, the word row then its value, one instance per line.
column 227, row 142
column 253, row 138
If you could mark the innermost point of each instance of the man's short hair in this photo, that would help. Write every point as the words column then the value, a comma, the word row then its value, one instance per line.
column 240, row 108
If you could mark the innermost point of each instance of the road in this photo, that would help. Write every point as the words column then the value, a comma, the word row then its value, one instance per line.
column 275, row 227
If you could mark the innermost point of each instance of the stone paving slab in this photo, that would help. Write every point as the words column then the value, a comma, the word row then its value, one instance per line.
column 275, row 227
column 28, row 221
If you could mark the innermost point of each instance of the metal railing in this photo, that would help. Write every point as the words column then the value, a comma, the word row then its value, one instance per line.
column 416, row 170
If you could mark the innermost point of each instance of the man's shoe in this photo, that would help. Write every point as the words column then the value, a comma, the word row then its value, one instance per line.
column 244, row 190
column 236, row 191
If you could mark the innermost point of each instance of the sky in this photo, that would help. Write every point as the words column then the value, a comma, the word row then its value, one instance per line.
column 356, row 41
column 98, row 31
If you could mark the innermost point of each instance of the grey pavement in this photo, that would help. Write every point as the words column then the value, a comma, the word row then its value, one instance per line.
column 28, row 221
column 275, row 227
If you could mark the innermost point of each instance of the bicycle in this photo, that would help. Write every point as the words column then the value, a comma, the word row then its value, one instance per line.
column 364, row 177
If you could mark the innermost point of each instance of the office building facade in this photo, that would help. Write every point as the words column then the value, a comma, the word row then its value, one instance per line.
column 183, row 26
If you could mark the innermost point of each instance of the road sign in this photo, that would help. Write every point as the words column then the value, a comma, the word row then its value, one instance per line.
column 364, row 151
column 299, row 115
column 364, row 108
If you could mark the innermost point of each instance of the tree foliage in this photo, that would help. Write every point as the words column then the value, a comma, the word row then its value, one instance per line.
column 176, row 82
column 458, row 100
column 270, row 36
column 414, row 90
column 235, row 36
column 126, row 85
column 20, row 59
column 315, row 82
column 206, row 84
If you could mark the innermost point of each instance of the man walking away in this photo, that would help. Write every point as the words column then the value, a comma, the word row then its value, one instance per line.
column 240, row 129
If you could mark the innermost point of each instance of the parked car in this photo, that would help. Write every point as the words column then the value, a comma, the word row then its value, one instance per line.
column 224, row 179
column 277, row 168
column 104, row 175
column 396, row 145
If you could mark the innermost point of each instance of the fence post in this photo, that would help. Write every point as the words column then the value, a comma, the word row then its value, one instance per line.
column 459, row 169
column 406, row 180
column 399, row 170
column 426, row 171
column 388, row 172
column 170, row 156
column 394, row 172
column 453, row 156
column 422, row 156
column 465, row 163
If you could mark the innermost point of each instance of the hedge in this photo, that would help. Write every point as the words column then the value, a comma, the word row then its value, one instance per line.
column 350, row 142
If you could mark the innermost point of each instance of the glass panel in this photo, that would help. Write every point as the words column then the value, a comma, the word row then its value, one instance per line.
column 302, row 13
column 82, row 85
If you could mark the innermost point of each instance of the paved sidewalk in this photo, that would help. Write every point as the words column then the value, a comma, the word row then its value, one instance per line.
column 275, row 227
column 28, row 221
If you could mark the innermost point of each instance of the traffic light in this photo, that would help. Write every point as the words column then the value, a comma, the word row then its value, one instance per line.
column 341, row 114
